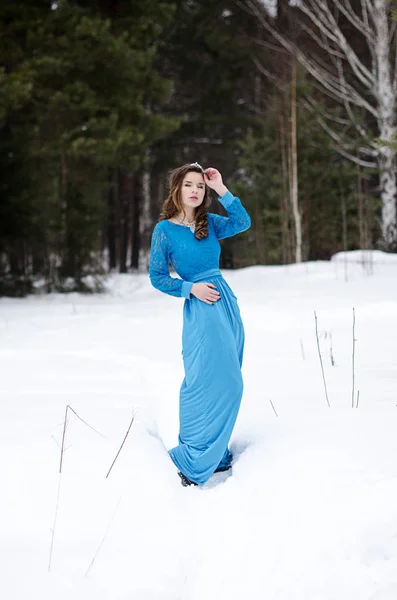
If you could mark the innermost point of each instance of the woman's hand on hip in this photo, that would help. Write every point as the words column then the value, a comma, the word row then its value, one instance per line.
column 206, row 292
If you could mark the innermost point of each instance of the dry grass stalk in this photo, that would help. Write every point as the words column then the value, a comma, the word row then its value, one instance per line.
column 321, row 360
column 103, row 539
column 302, row 349
column 62, row 449
column 122, row 444
column 273, row 407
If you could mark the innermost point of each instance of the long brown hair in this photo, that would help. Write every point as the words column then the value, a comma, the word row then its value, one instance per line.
column 173, row 204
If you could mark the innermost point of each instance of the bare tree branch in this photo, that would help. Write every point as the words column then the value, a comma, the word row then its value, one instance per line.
column 364, row 10
column 361, row 25
column 276, row 80
column 326, row 115
column 361, row 130
column 321, row 13
column 370, row 9
column 321, row 42
column 392, row 31
column 329, row 81
column 340, row 143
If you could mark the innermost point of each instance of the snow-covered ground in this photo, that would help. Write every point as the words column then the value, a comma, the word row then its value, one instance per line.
column 310, row 509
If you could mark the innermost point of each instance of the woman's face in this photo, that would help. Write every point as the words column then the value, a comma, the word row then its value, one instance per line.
column 192, row 190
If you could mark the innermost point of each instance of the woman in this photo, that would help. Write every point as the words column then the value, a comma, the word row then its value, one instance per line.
column 186, row 237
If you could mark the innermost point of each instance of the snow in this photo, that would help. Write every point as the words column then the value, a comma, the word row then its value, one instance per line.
column 310, row 509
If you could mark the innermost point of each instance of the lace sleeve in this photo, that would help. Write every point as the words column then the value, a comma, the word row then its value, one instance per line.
column 237, row 221
column 158, row 267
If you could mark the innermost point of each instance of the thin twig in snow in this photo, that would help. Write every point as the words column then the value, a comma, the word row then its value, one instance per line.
column 331, row 352
column 53, row 438
column 59, row 488
column 302, row 349
column 63, row 450
column 358, row 398
column 321, row 360
column 273, row 407
column 85, row 422
column 63, row 437
column 54, row 523
column 122, row 444
column 103, row 539
column 353, row 354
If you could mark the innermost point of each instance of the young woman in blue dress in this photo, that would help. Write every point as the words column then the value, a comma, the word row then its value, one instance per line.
column 187, row 238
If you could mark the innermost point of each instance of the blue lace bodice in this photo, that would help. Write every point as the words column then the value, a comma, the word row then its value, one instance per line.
column 176, row 245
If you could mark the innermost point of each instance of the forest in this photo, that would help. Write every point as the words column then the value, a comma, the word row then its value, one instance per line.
column 294, row 102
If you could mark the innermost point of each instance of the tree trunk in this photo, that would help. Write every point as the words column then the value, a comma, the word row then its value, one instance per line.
column 111, row 225
column 294, row 170
column 344, row 227
column 63, row 246
column 145, row 224
column 387, row 181
column 361, row 236
column 286, row 245
column 260, row 239
column 386, row 123
column 127, row 191
column 136, row 211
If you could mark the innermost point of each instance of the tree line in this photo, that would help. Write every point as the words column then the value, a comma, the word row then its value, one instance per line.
column 99, row 100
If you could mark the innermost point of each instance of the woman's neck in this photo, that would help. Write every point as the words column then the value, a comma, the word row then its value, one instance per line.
column 186, row 217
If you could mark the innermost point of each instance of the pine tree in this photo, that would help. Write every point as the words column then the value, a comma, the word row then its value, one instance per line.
column 78, row 87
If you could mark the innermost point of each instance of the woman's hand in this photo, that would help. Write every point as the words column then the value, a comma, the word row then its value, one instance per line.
column 213, row 179
column 206, row 292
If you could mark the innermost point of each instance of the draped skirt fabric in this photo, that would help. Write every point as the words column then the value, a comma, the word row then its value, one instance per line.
column 211, row 392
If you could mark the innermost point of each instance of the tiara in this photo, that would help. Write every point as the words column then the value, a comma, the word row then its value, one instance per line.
column 196, row 164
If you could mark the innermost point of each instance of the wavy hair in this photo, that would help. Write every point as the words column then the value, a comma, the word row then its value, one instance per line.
column 173, row 204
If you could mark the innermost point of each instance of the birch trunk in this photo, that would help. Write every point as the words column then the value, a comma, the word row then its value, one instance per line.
column 386, row 121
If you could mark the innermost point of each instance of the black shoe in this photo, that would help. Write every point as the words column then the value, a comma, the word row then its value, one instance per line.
column 185, row 481
column 225, row 468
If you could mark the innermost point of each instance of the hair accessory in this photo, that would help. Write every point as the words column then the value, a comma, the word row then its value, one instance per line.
column 196, row 164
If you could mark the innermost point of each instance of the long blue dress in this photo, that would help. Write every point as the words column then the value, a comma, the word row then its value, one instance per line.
column 212, row 338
